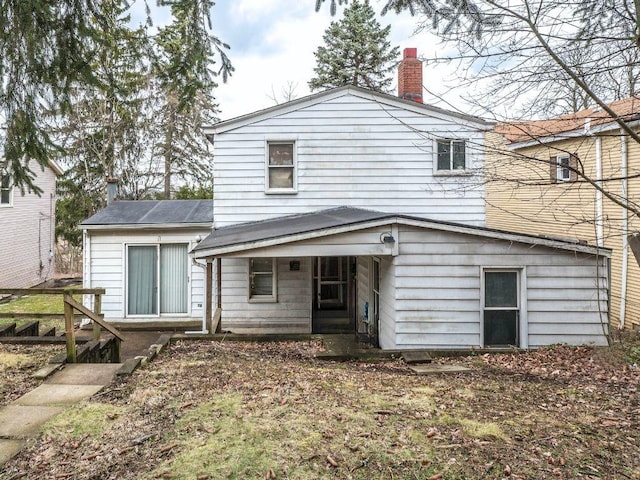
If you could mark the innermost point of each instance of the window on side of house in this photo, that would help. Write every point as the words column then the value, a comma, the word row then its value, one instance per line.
column 451, row 155
column 281, row 167
column 563, row 168
column 5, row 189
column 262, row 280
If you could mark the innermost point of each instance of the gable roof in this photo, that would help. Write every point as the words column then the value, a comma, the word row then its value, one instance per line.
column 152, row 214
column 627, row 109
column 382, row 98
column 282, row 230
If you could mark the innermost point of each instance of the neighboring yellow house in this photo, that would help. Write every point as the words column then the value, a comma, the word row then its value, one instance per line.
column 532, row 187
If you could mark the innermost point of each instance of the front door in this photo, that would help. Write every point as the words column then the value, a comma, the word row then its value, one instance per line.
column 332, row 293
column 501, row 308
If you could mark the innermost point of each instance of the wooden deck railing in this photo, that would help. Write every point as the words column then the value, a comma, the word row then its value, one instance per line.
column 70, row 304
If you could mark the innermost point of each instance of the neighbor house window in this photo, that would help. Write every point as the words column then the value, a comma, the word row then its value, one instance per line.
column 563, row 173
column 451, row 155
column 281, row 167
column 262, row 279
column 5, row 189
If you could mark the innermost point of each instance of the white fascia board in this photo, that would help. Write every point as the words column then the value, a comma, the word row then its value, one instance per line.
column 149, row 226
column 577, row 133
column 509, row 236
column 298, row 237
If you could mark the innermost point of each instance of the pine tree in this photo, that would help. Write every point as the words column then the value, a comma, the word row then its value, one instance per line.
column 356, row 52
column 183, row 84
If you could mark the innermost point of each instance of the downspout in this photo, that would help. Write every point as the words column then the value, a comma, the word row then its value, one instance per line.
column 599, row 224
column 625, row 230
column 204, row 330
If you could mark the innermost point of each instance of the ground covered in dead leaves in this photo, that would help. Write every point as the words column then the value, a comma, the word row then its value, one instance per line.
column 215, row 410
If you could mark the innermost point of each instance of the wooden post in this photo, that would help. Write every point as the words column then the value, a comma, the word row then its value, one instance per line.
column 219, row 293
column 97, row 307
column 69, row 331
column 208, row 302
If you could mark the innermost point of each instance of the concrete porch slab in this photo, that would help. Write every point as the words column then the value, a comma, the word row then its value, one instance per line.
column 431, row 368
column 85, row 374
column 9, row 449
column 20, row 421
column 50, row 394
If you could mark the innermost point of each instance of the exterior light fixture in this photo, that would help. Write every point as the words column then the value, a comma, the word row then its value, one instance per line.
column 387, row 239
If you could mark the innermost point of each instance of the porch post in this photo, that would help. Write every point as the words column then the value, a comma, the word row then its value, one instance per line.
column 208, row 302
column 219, row 293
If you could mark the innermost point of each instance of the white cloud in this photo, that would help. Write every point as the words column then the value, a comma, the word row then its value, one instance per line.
column 289, row 33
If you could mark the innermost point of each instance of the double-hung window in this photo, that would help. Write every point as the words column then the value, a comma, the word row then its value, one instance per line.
column 6, row 188
column 451, row 155
column 281, row 167
column 563, row 170
column 262, row 280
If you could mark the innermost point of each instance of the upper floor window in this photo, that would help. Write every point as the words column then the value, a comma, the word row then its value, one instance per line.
column 5, row 189
column 451, row 155
column 281, row 167
column 563, row 168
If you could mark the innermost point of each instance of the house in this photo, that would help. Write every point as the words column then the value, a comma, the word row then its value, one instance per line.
column 353, row 211
column 543, row 194
column 138, row 251
column 27, row 223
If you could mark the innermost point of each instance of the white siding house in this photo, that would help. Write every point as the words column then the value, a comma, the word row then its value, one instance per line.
column 138, row 251
column 351, row 211
column 27, row 223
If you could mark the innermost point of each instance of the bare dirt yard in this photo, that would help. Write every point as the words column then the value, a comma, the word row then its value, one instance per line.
column 216, row 410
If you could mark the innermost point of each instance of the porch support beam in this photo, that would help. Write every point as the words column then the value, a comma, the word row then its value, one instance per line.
column 219, row 294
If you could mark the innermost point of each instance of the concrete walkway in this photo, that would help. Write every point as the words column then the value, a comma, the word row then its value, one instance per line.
column 24, row 417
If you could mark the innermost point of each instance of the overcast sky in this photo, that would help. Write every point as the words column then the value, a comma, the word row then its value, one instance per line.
column 272, row 44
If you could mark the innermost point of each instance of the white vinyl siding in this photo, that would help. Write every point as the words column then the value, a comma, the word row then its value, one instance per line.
column 438, row 294
column 28, row 230
column 105, row 266
column 349, row 151
column 290, row 314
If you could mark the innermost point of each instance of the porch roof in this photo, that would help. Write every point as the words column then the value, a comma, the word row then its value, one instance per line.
column 152, row 214
column 282, row 230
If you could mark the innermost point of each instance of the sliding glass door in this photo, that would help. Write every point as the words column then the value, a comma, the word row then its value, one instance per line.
column 157, row 279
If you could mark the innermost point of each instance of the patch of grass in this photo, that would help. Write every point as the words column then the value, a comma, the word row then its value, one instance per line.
column 10, row 361
column 88, row 418
column 487, row 430
column 34, row 304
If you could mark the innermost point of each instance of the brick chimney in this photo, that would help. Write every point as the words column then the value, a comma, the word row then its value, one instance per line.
column 410, row 76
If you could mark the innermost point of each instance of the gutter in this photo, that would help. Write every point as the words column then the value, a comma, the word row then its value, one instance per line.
column 146, row 226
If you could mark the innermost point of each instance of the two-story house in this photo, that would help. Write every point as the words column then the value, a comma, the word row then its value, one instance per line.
column 360, row 212
column 534, row 187
column 27, row 223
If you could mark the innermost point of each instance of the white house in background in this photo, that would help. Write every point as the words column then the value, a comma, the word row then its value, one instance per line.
column 355, row 211
column 359, row 212
column 138, row 251
column 27, row 223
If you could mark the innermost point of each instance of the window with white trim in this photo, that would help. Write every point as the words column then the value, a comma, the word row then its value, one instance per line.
column 451, row 155
column 281, row 167
column 6, row 189
column 262, row 280
column 563, row 172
